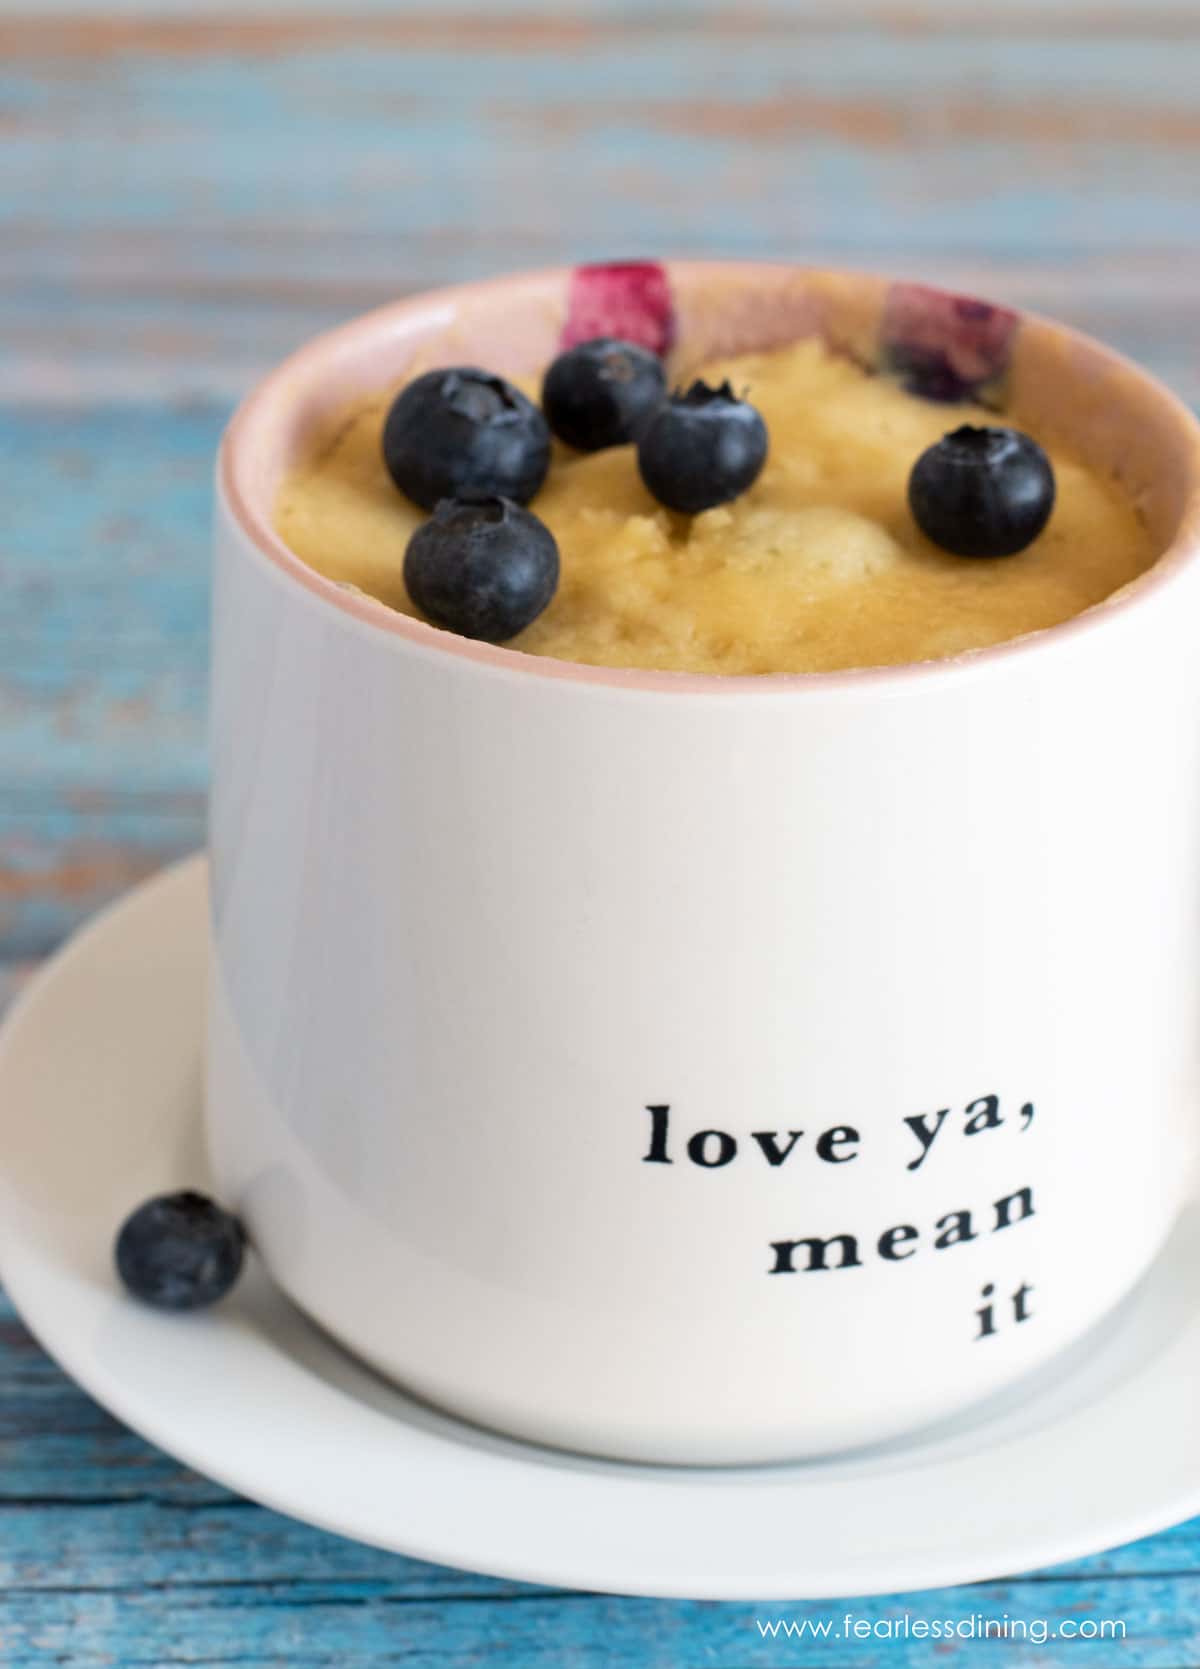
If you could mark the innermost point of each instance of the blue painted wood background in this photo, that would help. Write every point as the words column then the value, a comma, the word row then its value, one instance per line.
column 184, row 198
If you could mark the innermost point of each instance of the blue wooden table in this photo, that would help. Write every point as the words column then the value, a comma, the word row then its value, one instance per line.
column 183, row 200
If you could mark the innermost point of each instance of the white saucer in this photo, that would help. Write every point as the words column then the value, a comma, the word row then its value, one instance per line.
column 99, row 1106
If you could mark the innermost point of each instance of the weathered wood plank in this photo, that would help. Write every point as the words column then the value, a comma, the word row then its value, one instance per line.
column 258, row 1628
column 358, row 157
column 104, row 522
column 1155, row 18
column 153, row 249
column 332, row 1620
column 104, row 528
column 999, row 143
column 140, row 331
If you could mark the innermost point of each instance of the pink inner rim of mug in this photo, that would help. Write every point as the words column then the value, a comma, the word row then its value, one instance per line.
column 1117, row 416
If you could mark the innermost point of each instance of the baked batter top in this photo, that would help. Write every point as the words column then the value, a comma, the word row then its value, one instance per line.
column 818, row 567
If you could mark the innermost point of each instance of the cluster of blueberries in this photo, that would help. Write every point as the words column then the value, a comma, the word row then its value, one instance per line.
column 471, row 448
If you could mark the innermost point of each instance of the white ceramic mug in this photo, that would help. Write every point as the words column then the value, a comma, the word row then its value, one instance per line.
column 700, row 1069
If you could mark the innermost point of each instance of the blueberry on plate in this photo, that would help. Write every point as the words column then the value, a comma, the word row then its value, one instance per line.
column 702, row 448
column 461, row 431
column 180, row 1251
column 483, row 567
column 982, row 492
column 602, row 393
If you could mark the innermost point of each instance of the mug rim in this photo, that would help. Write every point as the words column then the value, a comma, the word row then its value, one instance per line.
column 298, row 370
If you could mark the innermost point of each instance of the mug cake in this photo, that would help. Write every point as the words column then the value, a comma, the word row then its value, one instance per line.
column 754, row 513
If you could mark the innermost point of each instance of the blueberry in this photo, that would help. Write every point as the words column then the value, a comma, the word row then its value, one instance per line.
column 483, row 567
column 180, row 1251
column 702, row 448
column 982, row 492
column 460, row 432
column 602, row 393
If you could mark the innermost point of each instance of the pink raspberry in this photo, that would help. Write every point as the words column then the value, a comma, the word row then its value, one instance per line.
column 946, row 347
column 630, row 300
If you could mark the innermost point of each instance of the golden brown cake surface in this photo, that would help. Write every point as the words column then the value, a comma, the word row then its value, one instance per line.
column 818, row 567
